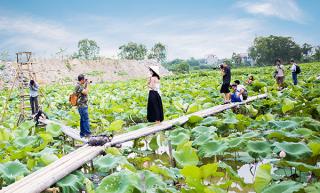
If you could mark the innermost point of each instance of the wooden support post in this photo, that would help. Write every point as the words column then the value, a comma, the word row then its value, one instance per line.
column 172, row 161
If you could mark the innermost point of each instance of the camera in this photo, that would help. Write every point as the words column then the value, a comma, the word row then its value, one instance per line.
column 88, row 81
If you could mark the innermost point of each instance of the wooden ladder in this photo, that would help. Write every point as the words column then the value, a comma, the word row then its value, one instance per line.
column 24, row 74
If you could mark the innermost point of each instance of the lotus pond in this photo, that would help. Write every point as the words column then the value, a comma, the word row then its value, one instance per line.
column 270, row 145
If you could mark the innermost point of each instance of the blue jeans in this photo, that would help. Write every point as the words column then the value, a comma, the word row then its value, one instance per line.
column 235, row 98
column 84, row 121
column 295, row 78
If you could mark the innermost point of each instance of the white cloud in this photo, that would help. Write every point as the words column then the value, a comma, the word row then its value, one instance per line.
column 31, row 34
column 184, row 37
column 283, row 9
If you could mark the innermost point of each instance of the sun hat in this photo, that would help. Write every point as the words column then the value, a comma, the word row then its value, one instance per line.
column 155, row 69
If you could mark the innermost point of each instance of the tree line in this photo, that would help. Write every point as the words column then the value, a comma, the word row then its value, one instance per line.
column 89, row 50
column 264, row 51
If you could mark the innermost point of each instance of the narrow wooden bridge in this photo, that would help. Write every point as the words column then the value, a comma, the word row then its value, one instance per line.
column 49, row 175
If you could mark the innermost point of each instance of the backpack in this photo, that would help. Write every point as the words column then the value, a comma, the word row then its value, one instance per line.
column 298, row 69
column 73, row 99
column 245, row 95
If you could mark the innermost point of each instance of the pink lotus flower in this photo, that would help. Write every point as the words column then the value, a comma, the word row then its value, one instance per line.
column 282, row 154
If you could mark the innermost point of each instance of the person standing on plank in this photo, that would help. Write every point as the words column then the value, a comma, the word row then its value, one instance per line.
column 226, row 78
column 294, row 72
column 154, row 108
column 34, row 87
column 279, row 74
column 82, row 90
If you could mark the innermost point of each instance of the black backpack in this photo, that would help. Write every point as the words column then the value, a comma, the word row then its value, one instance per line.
column 298, row 69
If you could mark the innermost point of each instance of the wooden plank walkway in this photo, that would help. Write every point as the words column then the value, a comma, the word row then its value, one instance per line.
column 47, row 176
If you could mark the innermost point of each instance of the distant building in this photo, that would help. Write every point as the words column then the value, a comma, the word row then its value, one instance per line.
column 246, row 59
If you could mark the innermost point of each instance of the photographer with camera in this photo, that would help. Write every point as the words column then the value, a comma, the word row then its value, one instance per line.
column 82, row 90
column 226, row 78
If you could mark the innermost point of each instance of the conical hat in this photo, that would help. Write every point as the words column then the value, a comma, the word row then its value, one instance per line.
column 155, row 69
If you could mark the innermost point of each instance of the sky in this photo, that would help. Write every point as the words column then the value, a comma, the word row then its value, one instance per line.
column 188, row 28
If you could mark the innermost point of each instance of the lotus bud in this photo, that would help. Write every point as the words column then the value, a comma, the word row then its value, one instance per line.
column 146, row 164
column 282, row 154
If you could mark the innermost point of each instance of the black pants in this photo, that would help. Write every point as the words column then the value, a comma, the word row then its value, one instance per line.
column 34, row 104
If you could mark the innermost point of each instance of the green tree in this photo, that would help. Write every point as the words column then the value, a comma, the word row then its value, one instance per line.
column 88, row 49
column 316, row 54
column 266, row 49
column 182, row 67
column 306, row 49
column 158, row 52
column 133, row 51
column 236, row 59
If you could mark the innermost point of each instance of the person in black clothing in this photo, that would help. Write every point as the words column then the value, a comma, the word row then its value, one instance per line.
column 154, row 108
column 226, row 78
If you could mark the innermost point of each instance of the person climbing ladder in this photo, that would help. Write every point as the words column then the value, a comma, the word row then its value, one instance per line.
column 154, row 108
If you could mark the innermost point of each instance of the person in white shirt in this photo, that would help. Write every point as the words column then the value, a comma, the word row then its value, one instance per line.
column 294, row 72
column 279, row 73
column 240, row 92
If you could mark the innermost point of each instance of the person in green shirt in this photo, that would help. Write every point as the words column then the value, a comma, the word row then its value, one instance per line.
column 82, row 90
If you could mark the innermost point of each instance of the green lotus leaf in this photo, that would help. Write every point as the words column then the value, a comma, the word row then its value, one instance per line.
column 21, row 142
column 194, row 107
column 301, row 167
column 231, row 173
column 258, row 149
column 194, row 119
column 116, row 125
column 284, row 124
column 284, row 187
column 212, row 148
column 12, row 170
column 313, row 188
column 120, row 182
column 69, row 184
column 209, row 121
column 287, row 105
column 210, row 170
column 192, row 175
column 53, row 129
column 235, row 143
column 151, row 182
column 47, row 159
column 27, row 125
column 230, row 118
column 263, row 177
column 253, row 112
column 294, row 150
column 153, row 144
column 163, row 171
column 200, row 130
column 179, row 136
column 315, row 148
column 108, row 162
column 186, row 155
column 137, row 126
column 5, row 134
column 250, row 135
column 113, row 151
column 201, row 139
column 283, row 136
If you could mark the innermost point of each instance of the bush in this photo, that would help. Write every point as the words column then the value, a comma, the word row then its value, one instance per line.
column 181, row 67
